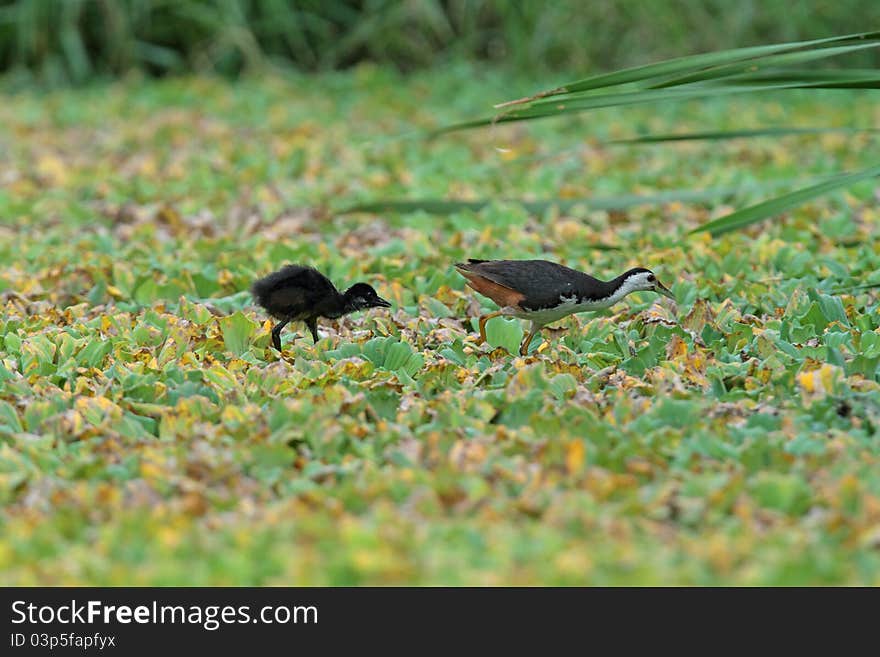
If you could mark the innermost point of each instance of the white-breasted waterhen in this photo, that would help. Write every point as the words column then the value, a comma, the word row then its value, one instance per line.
column 545, row 292
column 296, row 293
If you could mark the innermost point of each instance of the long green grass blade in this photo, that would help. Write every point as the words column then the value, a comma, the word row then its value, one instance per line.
column 681, row 65
column 441, row 206
column 855, row 288
column 783, row 81
column 776, row 206
column 735, row 134
column 582, row 103
column 429, row 206
column 744, row 70
column 763, row 64
column 823, row 79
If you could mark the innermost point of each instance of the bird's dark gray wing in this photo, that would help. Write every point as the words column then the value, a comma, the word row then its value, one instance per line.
column 541, row 281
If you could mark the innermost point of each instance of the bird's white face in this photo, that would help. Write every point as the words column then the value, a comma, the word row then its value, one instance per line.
column 646, row 281
column 642, row 281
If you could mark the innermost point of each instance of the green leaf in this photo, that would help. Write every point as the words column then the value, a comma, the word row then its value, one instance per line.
column 12, row 343
column 782, row 492
column 237, row 329
column 375, row 349
column 5, row 374
column 93, row 354
column 384, row 403
column 867, row 367
column 814, row 317
column 401, row 357
column 396, row 356
column 869, row 344
column 138, row 426
column 454, row 352
column 437, row 308
column 194, row 312
column 831, row 307
column 66, row 346
column 563, row 385
column 228, row 304
column 507, row 333
column 147, row 291
column 9, row 418
column 38, row 355
column 345, row 350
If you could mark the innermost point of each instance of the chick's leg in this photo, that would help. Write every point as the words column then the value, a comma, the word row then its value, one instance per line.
column 276, row 333
column 312, row 323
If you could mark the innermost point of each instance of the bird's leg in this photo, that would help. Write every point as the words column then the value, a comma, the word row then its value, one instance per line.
column 483, row 320
column 312, row 323
column 276, row 333
column 524, row 347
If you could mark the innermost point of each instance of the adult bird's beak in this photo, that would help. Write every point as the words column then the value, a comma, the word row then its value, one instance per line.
column 379, row 302
column 659, row 288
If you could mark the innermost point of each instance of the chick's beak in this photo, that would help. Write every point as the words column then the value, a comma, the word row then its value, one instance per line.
column 659, row 288
column 379, row 302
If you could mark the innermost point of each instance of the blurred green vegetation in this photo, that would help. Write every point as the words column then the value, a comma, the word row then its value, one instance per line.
column 150, row 435
column 74, row 41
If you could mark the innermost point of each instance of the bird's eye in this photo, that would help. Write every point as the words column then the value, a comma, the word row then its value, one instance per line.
column 651, row 278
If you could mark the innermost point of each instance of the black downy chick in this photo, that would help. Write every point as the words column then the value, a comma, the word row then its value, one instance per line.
column 296, row 293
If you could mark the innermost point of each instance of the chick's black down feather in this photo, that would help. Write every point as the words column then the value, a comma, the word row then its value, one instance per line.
column 293, row 290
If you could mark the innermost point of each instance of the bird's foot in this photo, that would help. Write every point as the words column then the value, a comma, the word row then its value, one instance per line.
column 482, row 324
column 524, row 346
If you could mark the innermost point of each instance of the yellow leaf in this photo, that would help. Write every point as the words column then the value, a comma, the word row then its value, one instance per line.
column 574, row 561
column 5, row 555
column 819, row 382
column 225, row 277
column 72, row 422
column 52, row 168
column 575, row 456
column 676, row 348
column 150, row 470
column 700, row 315
column 232, row 415
column 169, row 537
column 805, row 379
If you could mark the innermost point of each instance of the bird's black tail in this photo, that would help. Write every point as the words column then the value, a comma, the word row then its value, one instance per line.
column 260, row 291
column 471, row 261
column 263, row 287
